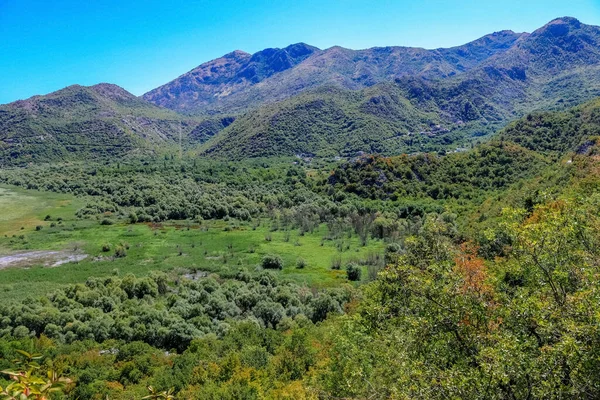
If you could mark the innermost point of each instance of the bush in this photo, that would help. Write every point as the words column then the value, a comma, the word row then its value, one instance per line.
column 38, row 228
column 353, row 272
column 106, row 247
column 106, row 221
column 272, row 261
column 120, row 252
column 300, row 263
column 336, row 263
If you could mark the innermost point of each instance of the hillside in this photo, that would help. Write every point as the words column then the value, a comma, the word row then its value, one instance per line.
column 554, row 67
column 300, row 100
column 533, row 148
column 330, row 121
column 79, row 122
column 556, row 132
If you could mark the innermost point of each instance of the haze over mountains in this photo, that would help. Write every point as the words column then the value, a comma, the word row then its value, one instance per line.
column 336, row 101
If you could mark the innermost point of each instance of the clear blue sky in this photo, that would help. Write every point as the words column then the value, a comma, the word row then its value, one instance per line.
column 140, row 44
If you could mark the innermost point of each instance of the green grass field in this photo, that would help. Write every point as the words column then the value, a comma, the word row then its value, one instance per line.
column 216, row 246
column 25, row 209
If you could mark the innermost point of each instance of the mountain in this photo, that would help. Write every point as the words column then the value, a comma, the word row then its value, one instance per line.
column 239, row 81
column 522, row 150
column 81, row 122
column 557, row 132
column 558, row 55
column 331, row 121
column 233, row 73
column 301, row 100
column 555, row 67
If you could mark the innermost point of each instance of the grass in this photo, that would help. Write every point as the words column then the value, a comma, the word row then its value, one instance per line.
column 26, row 209
column 217, row 246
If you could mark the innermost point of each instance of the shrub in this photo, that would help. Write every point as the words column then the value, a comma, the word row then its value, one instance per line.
column 353, row 272
column 300, row 263
column 38, row 228
column 272, row 261
column 106, row 247
column 120, row 252
column 336, row 263
column 106, row 221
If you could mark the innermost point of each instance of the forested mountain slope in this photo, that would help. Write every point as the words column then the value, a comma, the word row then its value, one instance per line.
column 79, row 122
column 302, row 100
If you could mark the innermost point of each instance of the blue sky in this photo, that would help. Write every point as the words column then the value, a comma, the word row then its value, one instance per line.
column 140, row 44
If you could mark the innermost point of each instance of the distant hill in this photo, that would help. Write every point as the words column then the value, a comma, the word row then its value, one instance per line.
column 80, row 122
column 557, row 132
column 522, row 150
column 330, row 121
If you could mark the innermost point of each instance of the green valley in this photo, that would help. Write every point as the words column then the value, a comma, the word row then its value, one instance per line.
column 311, row 224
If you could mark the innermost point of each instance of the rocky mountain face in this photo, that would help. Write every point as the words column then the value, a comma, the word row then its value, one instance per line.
column 233, row 73
column 239, row 81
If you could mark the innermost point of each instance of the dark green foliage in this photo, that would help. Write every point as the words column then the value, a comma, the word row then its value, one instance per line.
column 85, row 123
column 353, row 272
column 556, row 132
column 468, row 174
column 272, row 261
column 148, row 310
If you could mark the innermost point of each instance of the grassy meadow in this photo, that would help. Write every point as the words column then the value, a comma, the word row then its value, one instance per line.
column 220, row 246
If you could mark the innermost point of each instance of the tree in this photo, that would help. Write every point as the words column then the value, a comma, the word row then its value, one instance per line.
column 27, row 384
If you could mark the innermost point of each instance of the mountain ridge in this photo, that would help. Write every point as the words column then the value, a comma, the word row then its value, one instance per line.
column 350, row 67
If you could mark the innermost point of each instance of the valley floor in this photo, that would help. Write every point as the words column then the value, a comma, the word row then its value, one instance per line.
column 31, row 243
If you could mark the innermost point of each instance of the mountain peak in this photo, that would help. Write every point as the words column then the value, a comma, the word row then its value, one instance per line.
column 300, row 49
column 565, row 20
column 559, row 27
column 237, row 54
column 112, row 91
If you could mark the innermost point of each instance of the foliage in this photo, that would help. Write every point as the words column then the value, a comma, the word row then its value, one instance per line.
column 272, row 261
column 353, row 272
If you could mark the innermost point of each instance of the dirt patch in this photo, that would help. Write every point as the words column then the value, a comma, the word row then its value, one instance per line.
column 40, row 257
